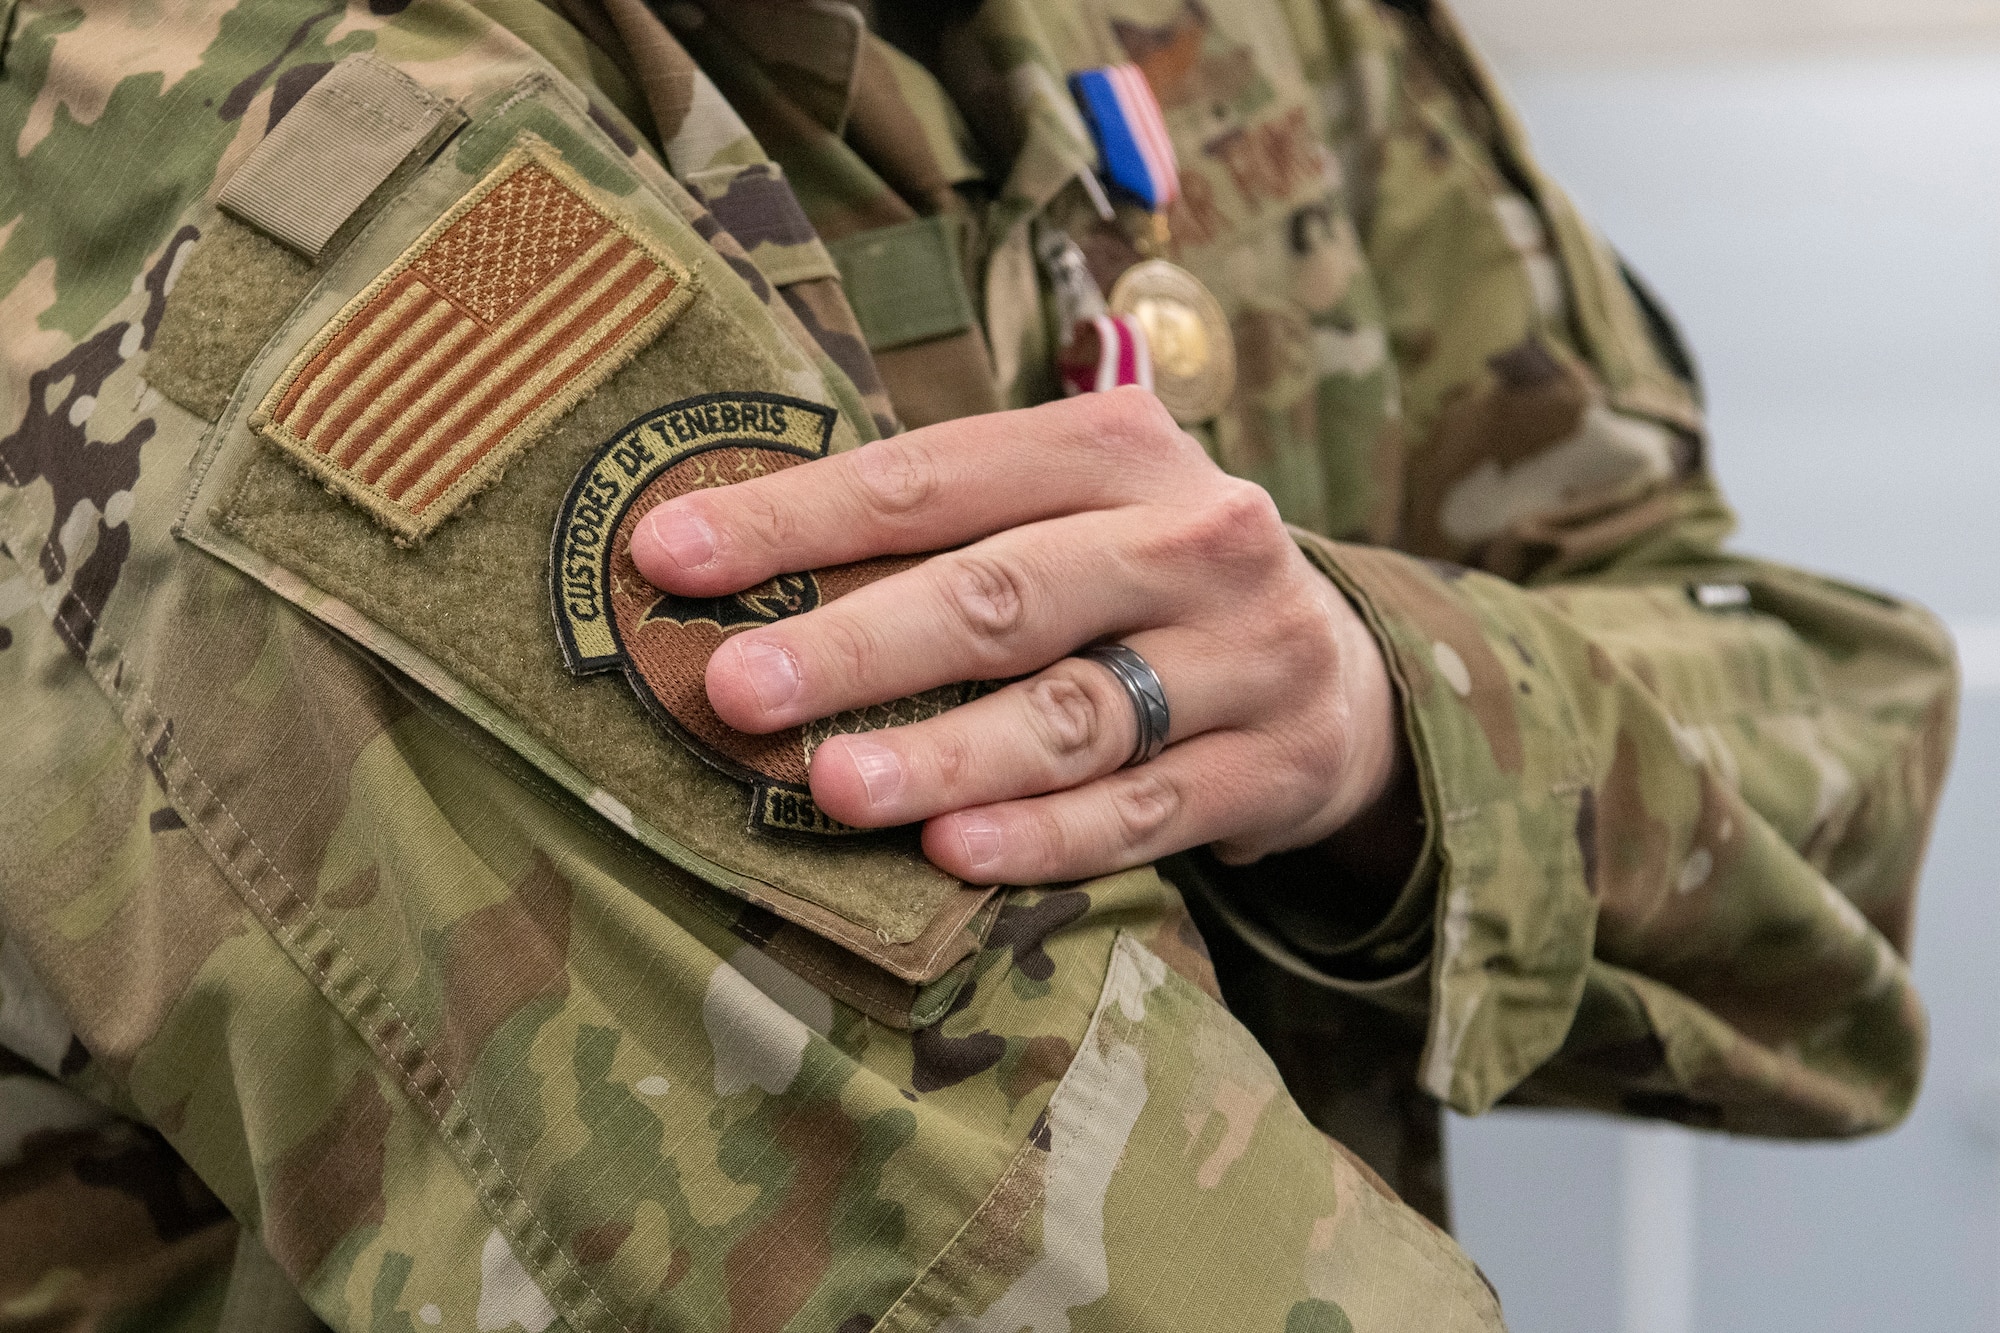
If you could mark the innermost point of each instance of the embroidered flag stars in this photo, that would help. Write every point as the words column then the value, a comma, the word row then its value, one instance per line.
column 501, row 317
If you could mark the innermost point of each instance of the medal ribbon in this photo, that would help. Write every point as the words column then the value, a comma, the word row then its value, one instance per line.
column 1131, row 134
column 1105, row 352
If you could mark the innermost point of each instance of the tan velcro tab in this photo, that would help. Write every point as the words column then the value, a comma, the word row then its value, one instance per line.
column 515, row 304
column 327, row 155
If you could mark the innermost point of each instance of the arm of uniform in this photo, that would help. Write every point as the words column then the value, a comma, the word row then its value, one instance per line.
column 1676, row 800
column 1678, row 811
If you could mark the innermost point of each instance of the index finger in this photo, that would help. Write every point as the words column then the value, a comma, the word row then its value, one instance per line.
column 934, row 488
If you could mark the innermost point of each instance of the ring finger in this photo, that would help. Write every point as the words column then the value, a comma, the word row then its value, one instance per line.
column 1068, row 724
column 1192, row 794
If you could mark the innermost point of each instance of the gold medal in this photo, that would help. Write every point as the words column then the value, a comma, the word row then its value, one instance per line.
column 1194, row 356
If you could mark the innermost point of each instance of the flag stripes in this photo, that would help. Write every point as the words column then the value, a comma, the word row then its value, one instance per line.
column 503, row 315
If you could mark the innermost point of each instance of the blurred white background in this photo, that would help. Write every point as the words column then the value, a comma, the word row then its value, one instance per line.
column 1549, row 34
column 1814, row 188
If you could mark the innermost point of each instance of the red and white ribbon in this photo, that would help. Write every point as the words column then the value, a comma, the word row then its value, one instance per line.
column 1105, row 352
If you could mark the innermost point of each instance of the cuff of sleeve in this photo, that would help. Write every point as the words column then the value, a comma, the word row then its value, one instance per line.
column 1219, row 905
column 1502, row 762
column 1298, row 904
column 1366, row 951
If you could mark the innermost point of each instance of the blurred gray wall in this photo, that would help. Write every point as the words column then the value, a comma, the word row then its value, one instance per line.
column 1814, row 187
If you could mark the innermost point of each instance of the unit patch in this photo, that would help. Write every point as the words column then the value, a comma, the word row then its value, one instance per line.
column 513, row 306
column 608, row 615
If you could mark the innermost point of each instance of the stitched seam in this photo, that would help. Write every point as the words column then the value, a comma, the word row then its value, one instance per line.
column 1400, row 1223
column 376, row 112
column 175, row 753
column 210, row 450
column 452, row 659
column 501, row 693
column 1022, row 1154
column 522, row 90
column 1400, row 1220
column 172, row 751
column 381, row 113
column 526, row 88
column 509, row 762
column 393, row 512
column 945, row 942
column 448, row 655
column 532, row 778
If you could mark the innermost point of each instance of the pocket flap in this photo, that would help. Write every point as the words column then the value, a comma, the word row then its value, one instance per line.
column 459, row 600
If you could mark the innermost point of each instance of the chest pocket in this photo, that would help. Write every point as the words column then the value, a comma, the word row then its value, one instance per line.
column 391, row 456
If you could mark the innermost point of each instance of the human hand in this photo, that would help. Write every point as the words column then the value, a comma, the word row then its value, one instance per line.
column 1059, row 526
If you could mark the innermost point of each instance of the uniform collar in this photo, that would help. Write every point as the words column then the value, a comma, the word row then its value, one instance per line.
column 813, row 48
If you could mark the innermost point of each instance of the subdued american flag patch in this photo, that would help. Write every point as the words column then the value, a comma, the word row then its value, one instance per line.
column 507, row 311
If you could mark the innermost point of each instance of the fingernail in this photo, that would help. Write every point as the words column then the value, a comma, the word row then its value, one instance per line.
column 681, row 536
column 773, row 675
column 880, row 768
column 980, row 837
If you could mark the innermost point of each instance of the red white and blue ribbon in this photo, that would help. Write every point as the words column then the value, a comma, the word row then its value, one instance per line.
column 1131, row 133
column 1103, row 353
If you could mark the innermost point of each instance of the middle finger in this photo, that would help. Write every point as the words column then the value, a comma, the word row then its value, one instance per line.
column 1002, row 607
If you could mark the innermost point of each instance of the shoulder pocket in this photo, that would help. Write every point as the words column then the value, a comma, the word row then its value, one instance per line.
column 393, row 456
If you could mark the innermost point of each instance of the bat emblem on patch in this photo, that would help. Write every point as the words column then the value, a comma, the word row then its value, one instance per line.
column 608, row 616
column 770, row 601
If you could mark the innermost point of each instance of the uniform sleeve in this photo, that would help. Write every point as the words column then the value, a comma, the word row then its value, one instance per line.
column 1677, row 798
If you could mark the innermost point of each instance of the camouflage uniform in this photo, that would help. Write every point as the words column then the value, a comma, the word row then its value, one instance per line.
column 352, row 951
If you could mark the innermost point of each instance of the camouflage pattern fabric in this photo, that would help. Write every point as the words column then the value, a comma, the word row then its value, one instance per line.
column 917, row 145
column 323, row 971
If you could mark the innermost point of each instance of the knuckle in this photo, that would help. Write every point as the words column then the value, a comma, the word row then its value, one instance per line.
column 1303, row 641
column 1251, row 506
column 1058, row 842
column 895, row 478
column 1143, row 805
column 1149, row 415
column 1321, row 658
column 989, row 595
column 1316, row 752
column 1247, row 511
column 952, row 760
column 850, row 646
column 1068, row 718
column 774, row 525
column 1238, row 525
column 1135, row 422
column 1325, row 756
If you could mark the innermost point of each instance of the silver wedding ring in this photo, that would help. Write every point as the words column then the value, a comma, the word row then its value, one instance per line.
column 1148, row 696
